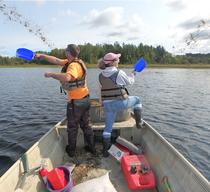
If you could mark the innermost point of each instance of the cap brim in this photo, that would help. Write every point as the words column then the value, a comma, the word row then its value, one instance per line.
column 115, row 57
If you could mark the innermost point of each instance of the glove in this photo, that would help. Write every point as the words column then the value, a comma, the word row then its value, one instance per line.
column 134, row 72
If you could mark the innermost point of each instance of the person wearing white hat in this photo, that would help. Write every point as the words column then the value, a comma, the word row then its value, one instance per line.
column 114, row 96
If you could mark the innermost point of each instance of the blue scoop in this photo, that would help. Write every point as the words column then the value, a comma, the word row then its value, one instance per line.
column 140, row 65
column 25, row 54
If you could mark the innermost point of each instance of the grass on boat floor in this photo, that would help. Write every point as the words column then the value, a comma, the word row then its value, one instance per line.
column 88, row 166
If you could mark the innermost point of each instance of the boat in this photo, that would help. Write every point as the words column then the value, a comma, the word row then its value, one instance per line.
column 171, row 170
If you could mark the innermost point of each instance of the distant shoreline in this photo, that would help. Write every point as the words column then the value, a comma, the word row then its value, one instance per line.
column 182, row 66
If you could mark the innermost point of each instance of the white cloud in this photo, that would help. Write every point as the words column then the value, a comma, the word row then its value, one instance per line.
column 2, row 47
column 178, row 5
column 109, row 17
column 67, row 13
column 189, row 23
column 185, row 30
column 198, row 47
column 50, row 24
column 40, row 2
column 134, row 23
column 53, row 20
column 130, row 29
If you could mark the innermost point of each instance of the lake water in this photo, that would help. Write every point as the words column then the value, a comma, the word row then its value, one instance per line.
column 176, row 102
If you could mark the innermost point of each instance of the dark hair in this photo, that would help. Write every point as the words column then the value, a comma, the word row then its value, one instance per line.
column 73, row 49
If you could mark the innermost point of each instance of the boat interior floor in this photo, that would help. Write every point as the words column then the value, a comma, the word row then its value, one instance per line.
column 89, row 166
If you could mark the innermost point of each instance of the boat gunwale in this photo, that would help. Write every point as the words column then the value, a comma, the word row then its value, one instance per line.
column 28, row 151
column 179, row 156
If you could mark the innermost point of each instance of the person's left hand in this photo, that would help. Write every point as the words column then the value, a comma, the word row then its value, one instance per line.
column 47, row 74
column 134, row 72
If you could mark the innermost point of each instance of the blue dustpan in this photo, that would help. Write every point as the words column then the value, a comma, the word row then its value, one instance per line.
column 25, row 54
column 140, row 65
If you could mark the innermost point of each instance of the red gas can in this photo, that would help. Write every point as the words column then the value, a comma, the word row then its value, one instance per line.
column 137, row 172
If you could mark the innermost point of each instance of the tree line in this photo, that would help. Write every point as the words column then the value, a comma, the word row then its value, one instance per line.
column 130, row 54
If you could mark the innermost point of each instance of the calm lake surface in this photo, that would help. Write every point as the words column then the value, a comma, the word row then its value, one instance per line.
column 176, row 102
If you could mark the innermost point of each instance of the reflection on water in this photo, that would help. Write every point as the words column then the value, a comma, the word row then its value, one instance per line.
column 176, row 102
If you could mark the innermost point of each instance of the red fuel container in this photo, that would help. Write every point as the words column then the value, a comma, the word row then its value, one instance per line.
column 57, row 178
column 137, row 172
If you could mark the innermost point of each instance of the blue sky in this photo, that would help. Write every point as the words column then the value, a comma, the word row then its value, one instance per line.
column 46, row 25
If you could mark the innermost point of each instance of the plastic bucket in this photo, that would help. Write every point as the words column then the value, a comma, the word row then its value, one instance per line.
column 140, row 65
column 68, row 178
column 97, row 113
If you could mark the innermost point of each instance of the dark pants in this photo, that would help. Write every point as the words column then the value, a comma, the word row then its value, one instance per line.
column 76, row 117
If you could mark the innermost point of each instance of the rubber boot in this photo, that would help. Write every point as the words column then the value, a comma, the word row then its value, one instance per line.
column 106, row 146
column 137, row 115
column 70, row 149
column 91, row 145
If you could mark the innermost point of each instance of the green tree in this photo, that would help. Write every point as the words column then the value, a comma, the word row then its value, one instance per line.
column 130, row 54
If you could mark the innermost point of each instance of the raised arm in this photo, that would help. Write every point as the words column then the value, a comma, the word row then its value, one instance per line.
column 124, row 79
column 49, row 58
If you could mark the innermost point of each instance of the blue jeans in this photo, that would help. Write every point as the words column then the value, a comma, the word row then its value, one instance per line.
column 110, row 109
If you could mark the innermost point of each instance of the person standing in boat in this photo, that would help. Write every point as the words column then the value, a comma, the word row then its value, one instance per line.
column 114, row 95
column 73, row 79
